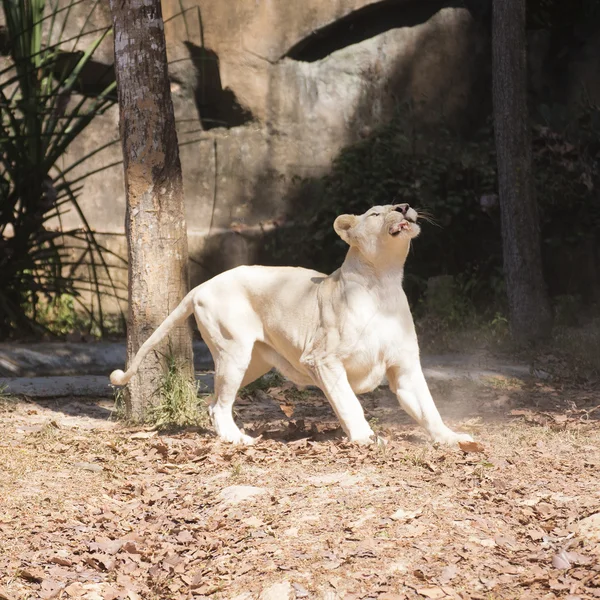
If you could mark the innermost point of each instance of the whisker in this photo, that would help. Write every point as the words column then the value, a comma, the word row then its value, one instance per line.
column 427, row 216
column 425, row 210
column 428, row 220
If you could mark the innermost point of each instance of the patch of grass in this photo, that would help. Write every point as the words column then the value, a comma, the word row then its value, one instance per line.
column 7, row 402
column 237, row 470
column 179, row 405
column 48, row 431
column 294, row 394
column 581, row 345
column 500, row 382
column 119, row 406
column 464, row 333
column 264, row 384
column 418, row 458
column 374, row 424
column 62, row 316
column 59, row 315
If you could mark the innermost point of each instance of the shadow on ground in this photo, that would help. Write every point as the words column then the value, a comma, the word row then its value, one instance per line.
column 464, row 404
column 468, row 390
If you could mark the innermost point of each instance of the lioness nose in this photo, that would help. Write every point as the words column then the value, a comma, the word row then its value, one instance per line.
column 403, row 208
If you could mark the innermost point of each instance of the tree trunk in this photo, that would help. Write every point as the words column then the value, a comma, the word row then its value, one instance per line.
column 529, row 307
column 155, row 219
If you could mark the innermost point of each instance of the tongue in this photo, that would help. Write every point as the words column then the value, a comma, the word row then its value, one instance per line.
column 397, row 227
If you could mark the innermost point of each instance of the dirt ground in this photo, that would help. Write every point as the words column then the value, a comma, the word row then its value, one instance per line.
column 90, row 509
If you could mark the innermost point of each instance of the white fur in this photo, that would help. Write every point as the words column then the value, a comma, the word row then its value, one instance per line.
column 343, row 332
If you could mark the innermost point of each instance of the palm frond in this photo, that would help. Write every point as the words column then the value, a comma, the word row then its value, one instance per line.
column 42, row 114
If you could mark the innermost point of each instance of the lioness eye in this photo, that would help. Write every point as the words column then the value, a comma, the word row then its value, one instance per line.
column 374, row 215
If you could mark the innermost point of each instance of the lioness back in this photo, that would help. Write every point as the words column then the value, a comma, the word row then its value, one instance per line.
column 281, row 295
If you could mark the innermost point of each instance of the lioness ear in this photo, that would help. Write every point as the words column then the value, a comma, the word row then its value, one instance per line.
column 343, row 226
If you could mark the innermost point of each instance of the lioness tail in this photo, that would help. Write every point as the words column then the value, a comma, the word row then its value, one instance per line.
column 182, row 312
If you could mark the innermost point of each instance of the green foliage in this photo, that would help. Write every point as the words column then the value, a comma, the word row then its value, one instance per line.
column 265, row 383
column 440, row 174
column 567, row 174
column 444, row 176
column 558, row 14
column 567, row 310
column 42, row 114
column 447, row 301
column 580, row 344
column 7, row 402
column 179, row 404
column 120, row 408
column 60, row 316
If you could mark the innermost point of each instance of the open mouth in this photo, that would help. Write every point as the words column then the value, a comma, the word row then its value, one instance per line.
column 397, row 228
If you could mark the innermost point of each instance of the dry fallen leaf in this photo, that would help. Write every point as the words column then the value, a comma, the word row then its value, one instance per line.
column 206, row 590
column 253, row 522
column 448, row 573
column 471, row 447
column 35, row 576
column 301, row 591
column 589, row 528
column 106, row 562
column 89, row 467
column 75, row 590
column 560, row 561
column 566, row 560
column 105, row 545
column 51, row 588
column 406, row 515
column 287, row 409
column 143, row 435
column 130, row 547
column 432, row 592
column 59, row 560
column 4, row 595
column 185, row 537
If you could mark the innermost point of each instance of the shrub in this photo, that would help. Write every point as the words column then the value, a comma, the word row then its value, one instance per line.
column 41, row 116
column 178, row 402
column 453, row 180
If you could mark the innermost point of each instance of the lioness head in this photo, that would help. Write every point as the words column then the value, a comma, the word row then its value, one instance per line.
column 381, row 230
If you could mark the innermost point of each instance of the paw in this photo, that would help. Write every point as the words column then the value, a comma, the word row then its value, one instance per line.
column 370, row 438
column 237, row 438
column 363, row 441
column 246, row 440
column 233, row 435
column 450, row 438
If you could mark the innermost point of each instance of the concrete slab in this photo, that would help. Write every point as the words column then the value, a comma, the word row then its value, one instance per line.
column 79, row 386
column 58, row 358
column 53, row 369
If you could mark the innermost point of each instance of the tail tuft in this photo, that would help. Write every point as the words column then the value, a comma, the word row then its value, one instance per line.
column 118, row 377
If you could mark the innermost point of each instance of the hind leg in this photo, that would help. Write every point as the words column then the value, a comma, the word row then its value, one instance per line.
column 237, row 362
column 234, row 369
column 258, row 367
column 230, row 369
column 227, row 385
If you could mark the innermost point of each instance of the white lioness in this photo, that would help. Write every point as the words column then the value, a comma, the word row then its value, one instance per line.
column 343, row 332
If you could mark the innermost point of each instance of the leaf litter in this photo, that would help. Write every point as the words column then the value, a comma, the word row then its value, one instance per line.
column 114, row 513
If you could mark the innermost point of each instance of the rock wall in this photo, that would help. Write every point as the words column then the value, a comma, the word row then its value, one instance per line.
column 266, row 91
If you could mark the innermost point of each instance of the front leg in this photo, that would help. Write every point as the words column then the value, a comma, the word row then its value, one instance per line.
column 330, row 376
column 412, row 391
